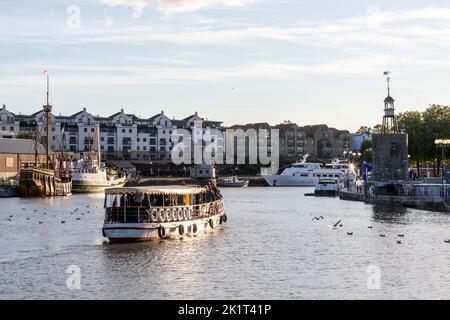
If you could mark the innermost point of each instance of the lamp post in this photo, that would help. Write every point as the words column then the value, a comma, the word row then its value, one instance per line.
column 443, row 144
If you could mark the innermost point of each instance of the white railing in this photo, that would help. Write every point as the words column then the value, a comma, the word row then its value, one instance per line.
column 158, row 214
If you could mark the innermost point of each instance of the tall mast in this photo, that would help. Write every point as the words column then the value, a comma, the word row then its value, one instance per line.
column 63, row 146
column 36, row 146
column 47, row 110
column 99, row 156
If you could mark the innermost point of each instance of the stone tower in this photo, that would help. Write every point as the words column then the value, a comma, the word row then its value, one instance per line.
column 390, row 147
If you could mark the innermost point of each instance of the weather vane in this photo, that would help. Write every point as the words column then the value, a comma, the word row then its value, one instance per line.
column 387, row 74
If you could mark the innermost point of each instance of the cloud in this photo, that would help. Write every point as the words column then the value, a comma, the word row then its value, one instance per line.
column 141, row 73
column 174, row 6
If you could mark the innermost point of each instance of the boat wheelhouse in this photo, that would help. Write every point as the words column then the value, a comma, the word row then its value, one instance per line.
column 160, row 212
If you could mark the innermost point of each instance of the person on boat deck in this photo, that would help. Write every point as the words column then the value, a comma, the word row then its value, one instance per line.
column 138, row 199
column 210, row 196
column 187, row 200
column 122, row 200
column 146, row 201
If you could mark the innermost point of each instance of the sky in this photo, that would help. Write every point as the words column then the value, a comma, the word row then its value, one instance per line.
column 238, row 61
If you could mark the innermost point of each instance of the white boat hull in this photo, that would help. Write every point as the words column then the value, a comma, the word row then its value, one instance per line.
column 94, row 182
column 131, row 232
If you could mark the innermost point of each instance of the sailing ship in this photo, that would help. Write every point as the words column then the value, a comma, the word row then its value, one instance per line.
column 88, row 176
column 45, row 179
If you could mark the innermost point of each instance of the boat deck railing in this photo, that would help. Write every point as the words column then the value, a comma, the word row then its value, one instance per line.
column 158, row 214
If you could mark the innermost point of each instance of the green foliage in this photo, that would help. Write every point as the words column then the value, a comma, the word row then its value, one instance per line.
column 364, row 129
column 366, row 151
column 423, row 128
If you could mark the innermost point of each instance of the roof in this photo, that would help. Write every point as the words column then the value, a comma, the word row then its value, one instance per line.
column 286, row 126
column 158, row 190
column 22, row 146
column 260, row 125
column 389, row 99
column 191, row 116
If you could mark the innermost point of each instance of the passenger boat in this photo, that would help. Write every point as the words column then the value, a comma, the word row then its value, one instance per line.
column 307, row 174
column 327, row 188
column 233, row 182
column 150, row 213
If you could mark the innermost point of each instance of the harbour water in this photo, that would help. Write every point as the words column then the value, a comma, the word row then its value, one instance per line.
column 270, row 248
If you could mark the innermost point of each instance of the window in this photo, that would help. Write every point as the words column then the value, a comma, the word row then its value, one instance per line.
column 170, row 131
column 110, row 149
column 102, row 139
column 92, row 129
column 102, row 148
column 152, row 141
column 144, row 139
column 145, row 148
column 85, row 130
column 4, row 128
column 138, row 139
column 130, row 130
column 9, row 162
column 138, row 148
column 164, row 131
column 11, row 128
column 110, row 140
column 123, row 130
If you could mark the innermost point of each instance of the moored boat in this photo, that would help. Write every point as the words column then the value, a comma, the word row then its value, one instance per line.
column 89, row 176
column 327, row 188
column 233, row 182
column 41, row 182
column 151, row 213
column 9, row 189
column 93, row 180
column 308, row 174
column 45, row 179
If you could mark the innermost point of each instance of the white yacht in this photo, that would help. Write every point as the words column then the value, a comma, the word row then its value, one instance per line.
column 308, row 174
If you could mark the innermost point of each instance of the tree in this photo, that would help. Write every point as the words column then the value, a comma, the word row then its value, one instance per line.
column 436, row 121
column 411, row 122
column 366, row 151
column 377, row 129
column 364, row 129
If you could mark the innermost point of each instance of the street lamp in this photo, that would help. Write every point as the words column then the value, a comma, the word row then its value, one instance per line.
column 443, row 144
